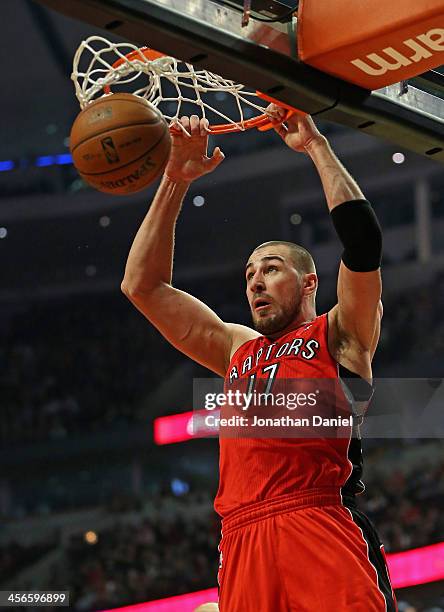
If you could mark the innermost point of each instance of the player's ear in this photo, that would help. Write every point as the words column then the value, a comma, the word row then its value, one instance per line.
column 310, row 283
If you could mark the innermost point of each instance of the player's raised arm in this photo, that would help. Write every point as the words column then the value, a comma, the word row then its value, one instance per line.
column 355, row 320
column 183, row 320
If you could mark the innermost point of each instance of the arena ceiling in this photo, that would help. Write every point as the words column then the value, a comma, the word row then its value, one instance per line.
column 38, row 103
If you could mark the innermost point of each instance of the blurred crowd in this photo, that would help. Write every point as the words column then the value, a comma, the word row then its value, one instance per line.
column 160, row 546
column 14, row 556
column 164, row 547
column 419, row 311
column 406, row 507
column 436, row 606
column 147, row 558
column 77, row 367
column 86, row 364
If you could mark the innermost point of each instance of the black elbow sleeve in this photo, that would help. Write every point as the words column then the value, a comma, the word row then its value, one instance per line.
column 359, row 231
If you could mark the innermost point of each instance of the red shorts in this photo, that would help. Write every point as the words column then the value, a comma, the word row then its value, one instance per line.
column 302, row 553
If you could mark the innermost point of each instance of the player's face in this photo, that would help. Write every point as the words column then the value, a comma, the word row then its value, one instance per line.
column 274, row 289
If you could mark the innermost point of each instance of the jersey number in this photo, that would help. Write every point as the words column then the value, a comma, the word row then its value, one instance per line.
column 271, row 371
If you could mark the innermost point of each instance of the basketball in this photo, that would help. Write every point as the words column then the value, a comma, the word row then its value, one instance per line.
column 120, row 144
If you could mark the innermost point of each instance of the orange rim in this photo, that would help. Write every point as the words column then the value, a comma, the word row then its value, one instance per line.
column 261, row 122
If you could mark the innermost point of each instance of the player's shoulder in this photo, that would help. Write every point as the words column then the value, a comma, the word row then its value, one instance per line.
column 240, row 334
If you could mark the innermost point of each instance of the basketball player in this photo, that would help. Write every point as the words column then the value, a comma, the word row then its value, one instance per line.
column 292, row 538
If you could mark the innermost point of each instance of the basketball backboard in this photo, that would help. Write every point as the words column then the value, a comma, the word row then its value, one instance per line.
column 263, row 55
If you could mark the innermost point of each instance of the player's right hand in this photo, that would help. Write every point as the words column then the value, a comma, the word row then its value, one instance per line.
column 188, row 159
column 299, row 131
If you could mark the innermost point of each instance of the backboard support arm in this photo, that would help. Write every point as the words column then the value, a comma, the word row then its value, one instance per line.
column 242, row 56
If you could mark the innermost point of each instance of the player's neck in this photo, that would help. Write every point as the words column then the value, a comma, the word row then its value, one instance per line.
column 306, row 315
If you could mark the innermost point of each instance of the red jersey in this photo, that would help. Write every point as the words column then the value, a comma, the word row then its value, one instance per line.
column 256, row 470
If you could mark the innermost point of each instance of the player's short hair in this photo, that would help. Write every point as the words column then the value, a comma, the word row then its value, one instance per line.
column 302, row 259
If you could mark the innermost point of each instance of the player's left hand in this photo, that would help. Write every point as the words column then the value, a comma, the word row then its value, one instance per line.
column 299, row 131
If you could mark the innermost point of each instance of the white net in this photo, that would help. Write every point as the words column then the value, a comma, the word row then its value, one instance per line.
column 176, row 88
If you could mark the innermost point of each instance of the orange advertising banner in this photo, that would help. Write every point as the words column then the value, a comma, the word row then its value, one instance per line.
column 371, row 43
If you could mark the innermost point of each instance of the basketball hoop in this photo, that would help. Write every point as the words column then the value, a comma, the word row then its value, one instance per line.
column 169, row 84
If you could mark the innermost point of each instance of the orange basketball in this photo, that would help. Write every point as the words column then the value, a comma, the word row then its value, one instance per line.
column 120, row 144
